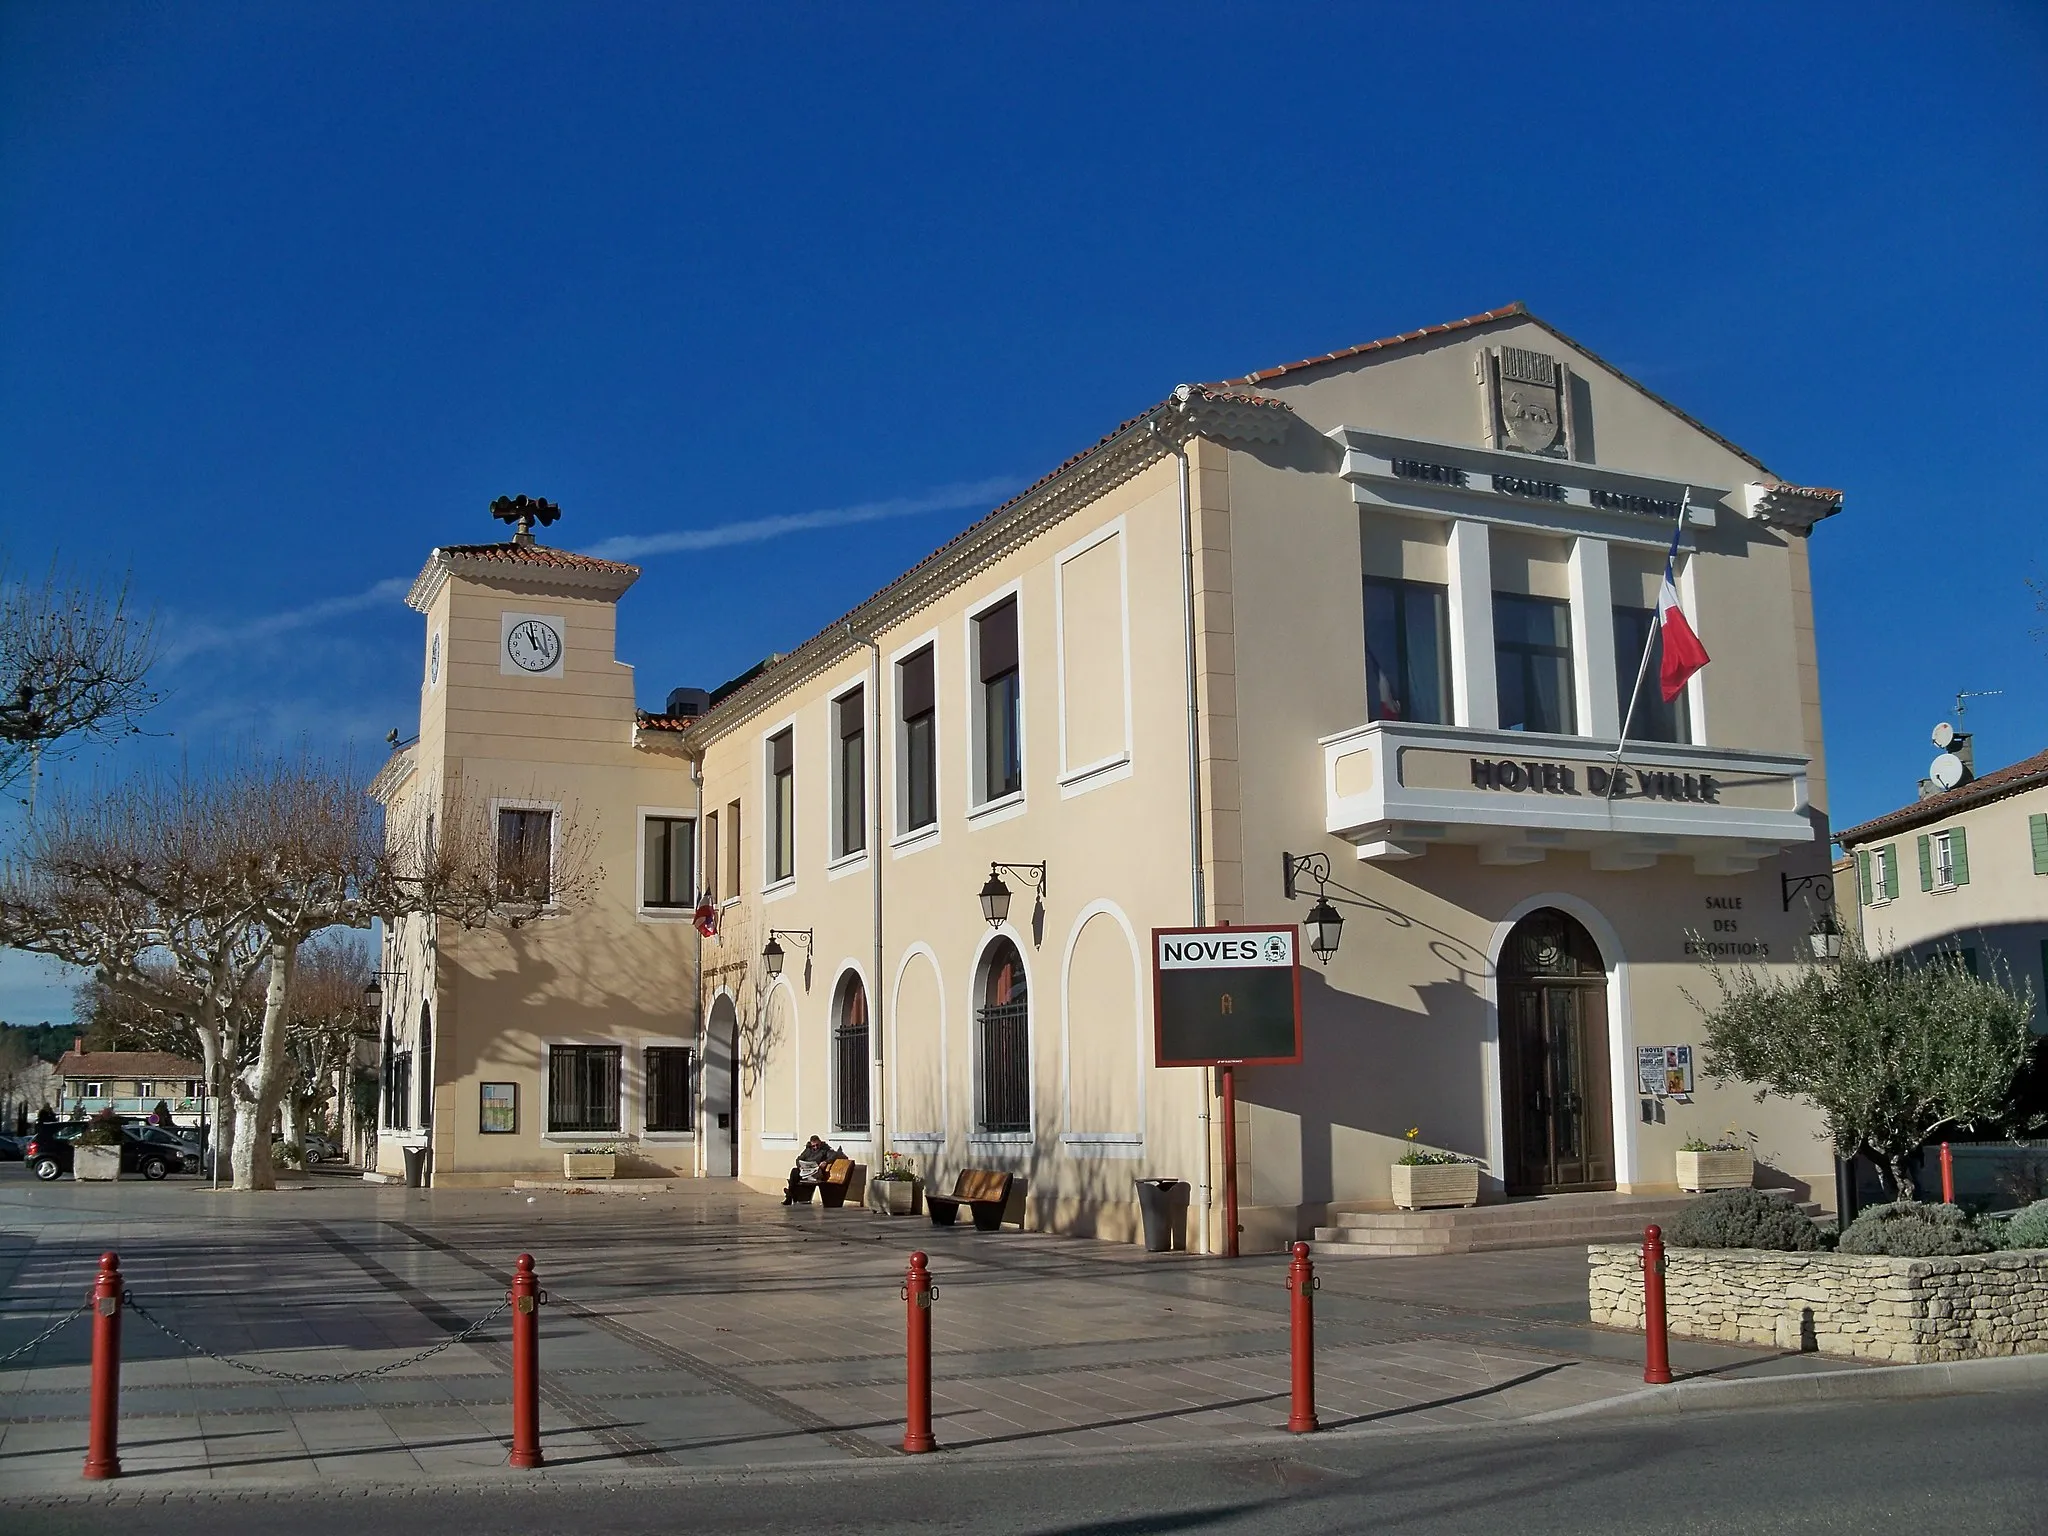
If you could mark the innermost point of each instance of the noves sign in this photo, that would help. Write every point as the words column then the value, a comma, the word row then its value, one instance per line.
column 1226, row 995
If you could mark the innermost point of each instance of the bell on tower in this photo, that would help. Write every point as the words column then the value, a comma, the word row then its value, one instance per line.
column 524, row 512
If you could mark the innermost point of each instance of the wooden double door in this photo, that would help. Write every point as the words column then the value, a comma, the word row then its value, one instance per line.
column 1555, row 1072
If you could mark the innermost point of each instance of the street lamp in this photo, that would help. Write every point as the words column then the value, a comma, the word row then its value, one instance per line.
column 995, row 896
column 995, row 900
column 772, row 953
column 373, row 995
column 1325, row 929
column 1826, row 937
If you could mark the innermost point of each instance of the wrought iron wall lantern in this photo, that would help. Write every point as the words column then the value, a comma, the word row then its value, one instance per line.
column 1791, row 885
column 995, row 897
column 1324, row 924
column 1826, row 937
column 373, row 989
column 772, row 952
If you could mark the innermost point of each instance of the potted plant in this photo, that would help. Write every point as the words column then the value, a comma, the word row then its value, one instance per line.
column 1726, row 1162
column 594, row 1162
column 97, row 1152
column 898, row 1189
column 1424, row 1178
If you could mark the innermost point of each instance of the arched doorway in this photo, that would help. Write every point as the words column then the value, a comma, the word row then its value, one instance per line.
column 1556, row 1103
column 850, row 1057
column 719, row 1086
column 1002, row 1098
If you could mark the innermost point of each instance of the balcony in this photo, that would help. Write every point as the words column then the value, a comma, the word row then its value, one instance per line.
column 1394, row 789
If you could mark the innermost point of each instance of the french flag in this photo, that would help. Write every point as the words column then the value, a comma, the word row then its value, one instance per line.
column 1683, row 653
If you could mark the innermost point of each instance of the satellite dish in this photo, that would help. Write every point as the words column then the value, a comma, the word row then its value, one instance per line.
column 1944, row 733
column 1947, row 770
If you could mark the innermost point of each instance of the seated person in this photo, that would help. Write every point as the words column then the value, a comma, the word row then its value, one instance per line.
column 809, row 1172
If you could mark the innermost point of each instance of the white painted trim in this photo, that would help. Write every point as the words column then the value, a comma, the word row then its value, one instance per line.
column 1620, row 1031
column 977, row 728
column 898, row 787
column 641, row 910
column 1475, row 692
column 796, row 1057
column 1594, row 664
column 1080, row 781
column 1102, row 908
column 977, row 990
column 1113, row 529
column 910, row 952
column 838, row 863
column 769, row 882
column 848, row 864
column 708, row 1132
column 847, row 966
column 1009, row 808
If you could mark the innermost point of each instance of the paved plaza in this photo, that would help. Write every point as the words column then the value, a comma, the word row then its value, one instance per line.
column 711, row 1329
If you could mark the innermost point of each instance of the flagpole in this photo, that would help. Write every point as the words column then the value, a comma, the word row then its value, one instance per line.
column 1649, row 642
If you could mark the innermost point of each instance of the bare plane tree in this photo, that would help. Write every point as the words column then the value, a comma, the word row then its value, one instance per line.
column 74, row 666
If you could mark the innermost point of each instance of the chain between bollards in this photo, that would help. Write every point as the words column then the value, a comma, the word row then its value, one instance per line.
column 526, row 1298
column 1301, row 1316
column 917, row 1294
column 103, row 1435
column 1656, row 1344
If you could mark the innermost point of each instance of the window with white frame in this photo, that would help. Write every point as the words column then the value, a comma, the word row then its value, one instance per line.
column 1002, row 1099
column 1884, row 874
column 850, row 1057
column 711, row 847
column 781, row 805
column 1943, row 846
column 668, row 872
column 999, row 707
column 145, row 1089
column 849, row 773
column 92, row 1090
column 583, row 1088
column 917, row 742
column 526, row 852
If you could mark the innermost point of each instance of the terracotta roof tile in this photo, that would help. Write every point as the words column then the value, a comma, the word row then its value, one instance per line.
column 1996, row 785
column 149, row 1064
column 648, row 722
column 1507, row 312
column 536, row 554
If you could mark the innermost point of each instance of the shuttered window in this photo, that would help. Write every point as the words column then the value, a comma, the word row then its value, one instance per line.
column 1889, row 853
column 583, row 1088
column 1926, row 864
column 1960, row 849
column 2037, row 830
column 1863, row 874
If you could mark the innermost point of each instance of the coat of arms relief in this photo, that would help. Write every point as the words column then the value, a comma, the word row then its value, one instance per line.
column 1527, row 393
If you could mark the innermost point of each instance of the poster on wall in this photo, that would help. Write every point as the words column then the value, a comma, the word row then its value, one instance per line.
column 1664, row 1070
column 498, row 1109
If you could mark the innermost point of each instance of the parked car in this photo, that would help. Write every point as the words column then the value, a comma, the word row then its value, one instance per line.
column 145, row 1149
column 10, row 1148
column 320, row 1150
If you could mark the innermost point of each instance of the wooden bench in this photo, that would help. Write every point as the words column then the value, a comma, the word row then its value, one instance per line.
column 982, row 1190
column 843, row 1177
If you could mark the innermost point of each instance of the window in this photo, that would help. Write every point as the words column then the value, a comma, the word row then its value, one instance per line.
column 781, row 806
column 145, row 1089
column 1532, row 643
column 732, row 848
column 850, row 773
column 194, row 1089
column 1003, row 1094
column 1655, row 720
column 1001, row 722
column 918, row 804
column 1407, row 651
column 1880, row 875
column 426, row 1059
column 671, row 1082
column 668, row 878
column 525, row 846
column 92, row 1090
column 711, row 887
column 583, row 1088
column 1944, row 860
column 850, row 1058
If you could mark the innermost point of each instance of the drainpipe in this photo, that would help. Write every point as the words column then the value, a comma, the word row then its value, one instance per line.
column 1197, row 888
column 702, row 1160
column 878, row 1100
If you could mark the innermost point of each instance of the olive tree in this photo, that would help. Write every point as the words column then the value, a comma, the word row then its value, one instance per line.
column 1890, row 1051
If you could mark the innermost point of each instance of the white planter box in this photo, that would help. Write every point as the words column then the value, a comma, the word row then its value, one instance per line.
column 1419, row 1186
column 898, row 1197
column 1699, row 1171
column 101, row 1163
column 590, row 1165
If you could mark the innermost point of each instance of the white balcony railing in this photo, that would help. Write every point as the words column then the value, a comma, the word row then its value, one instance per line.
column 1394, row 789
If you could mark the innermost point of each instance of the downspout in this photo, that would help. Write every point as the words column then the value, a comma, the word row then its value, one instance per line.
column 1197, row 888
column 878, row 1100
column 702, row 1162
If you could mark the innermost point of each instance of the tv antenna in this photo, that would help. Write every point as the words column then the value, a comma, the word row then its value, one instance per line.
column 1988, row 693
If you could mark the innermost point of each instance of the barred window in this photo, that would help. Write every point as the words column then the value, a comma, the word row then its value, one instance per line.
column 583, row 1088
column 1003, row 1092
column 671, row 1088
column 850, row 1058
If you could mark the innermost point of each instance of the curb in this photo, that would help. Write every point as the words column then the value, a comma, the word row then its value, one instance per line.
column 1865, row 1384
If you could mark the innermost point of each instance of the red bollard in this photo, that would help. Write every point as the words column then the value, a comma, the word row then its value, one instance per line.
column 1656, row 1346
column 103, row 1440
column 1948, row 1176
column 917, row 1293
column 1301, row 1309
column 526, row 1299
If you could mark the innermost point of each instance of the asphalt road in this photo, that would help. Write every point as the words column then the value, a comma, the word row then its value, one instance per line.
column 1967, row 1463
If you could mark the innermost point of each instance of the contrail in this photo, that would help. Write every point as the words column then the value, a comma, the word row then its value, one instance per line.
column 208, row 638
column 946, row 498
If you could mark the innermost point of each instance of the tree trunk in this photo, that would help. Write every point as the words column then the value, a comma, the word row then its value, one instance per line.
column 1901, row 1166
column 260, row 1087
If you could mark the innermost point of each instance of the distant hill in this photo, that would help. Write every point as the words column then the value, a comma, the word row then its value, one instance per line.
column 46, row 1042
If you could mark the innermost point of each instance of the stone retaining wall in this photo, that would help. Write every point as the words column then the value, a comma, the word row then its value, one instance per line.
column 1910, row 1311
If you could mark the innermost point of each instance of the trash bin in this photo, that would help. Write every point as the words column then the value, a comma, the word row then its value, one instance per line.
column 415, row 1167
column 1164, row 1205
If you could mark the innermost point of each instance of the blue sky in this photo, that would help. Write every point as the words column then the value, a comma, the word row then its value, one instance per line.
column 289, row 293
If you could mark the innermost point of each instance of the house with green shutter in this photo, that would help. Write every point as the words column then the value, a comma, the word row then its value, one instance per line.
column 1962, row 870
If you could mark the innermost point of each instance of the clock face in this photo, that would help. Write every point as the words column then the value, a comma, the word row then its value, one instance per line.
column 533, row 646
